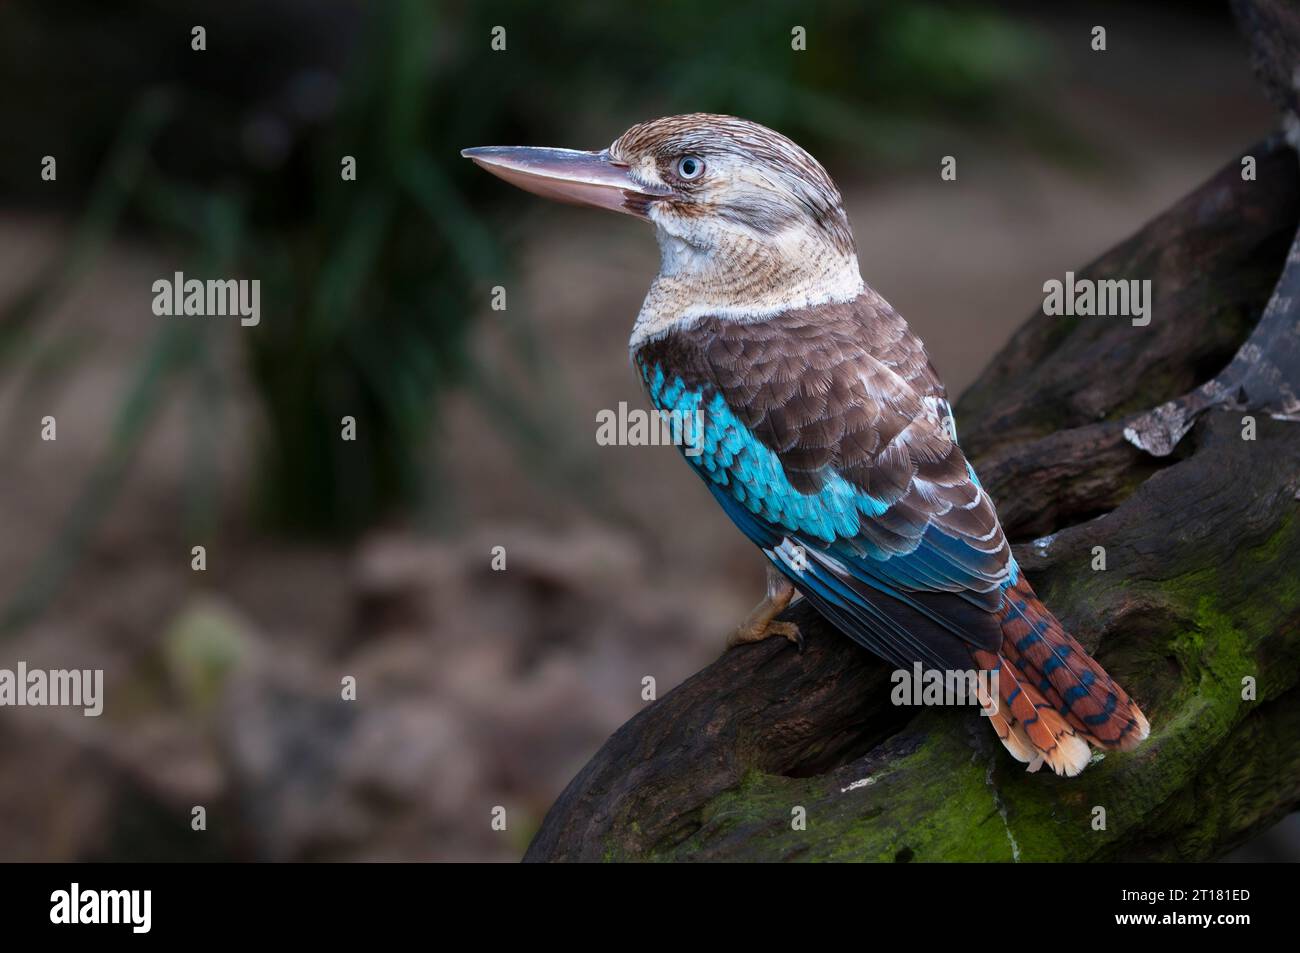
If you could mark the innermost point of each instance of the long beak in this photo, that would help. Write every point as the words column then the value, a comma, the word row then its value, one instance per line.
column 567, row 175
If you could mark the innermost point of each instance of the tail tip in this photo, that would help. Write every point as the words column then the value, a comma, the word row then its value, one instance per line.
column 1140, row 734
column 1070, row 755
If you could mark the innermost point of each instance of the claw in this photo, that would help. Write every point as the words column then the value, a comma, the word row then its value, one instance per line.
column 747, row 632
column 761, row 622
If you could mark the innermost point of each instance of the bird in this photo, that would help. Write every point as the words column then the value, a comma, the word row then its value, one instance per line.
column 828, row 436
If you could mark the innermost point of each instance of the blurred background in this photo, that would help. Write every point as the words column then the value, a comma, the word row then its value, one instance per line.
column 475, row 428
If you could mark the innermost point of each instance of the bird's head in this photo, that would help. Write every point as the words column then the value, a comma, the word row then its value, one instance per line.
column 746, row 219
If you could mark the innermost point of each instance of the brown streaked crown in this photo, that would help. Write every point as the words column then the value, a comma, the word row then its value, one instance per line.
column 788, row 166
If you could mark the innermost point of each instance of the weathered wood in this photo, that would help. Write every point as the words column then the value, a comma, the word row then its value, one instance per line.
column 1200, row 591
column 1264, row 374
column 1213, row 260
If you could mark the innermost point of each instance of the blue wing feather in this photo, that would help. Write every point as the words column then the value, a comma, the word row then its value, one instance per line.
column 845, row 572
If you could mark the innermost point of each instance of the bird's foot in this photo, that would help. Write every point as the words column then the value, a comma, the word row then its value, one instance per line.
column 758, row 630
column 760, row 624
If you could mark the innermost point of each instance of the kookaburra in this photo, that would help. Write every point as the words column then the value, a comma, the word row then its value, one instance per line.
column 828, row 437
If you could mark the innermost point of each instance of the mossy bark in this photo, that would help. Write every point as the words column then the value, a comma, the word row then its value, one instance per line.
column 1199, row 600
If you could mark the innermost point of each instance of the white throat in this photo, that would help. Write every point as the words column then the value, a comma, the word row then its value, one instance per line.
column 751, row 279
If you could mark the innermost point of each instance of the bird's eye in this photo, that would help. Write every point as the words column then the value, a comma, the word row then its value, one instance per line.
column 690, row 167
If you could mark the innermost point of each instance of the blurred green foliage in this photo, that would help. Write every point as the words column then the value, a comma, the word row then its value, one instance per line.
column 874, row 73
column 370, row 288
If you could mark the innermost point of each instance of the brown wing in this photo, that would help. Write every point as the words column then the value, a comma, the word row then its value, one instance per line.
column 847, row 391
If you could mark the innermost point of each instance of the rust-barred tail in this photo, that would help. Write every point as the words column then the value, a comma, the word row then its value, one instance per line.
column 1056, row 700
